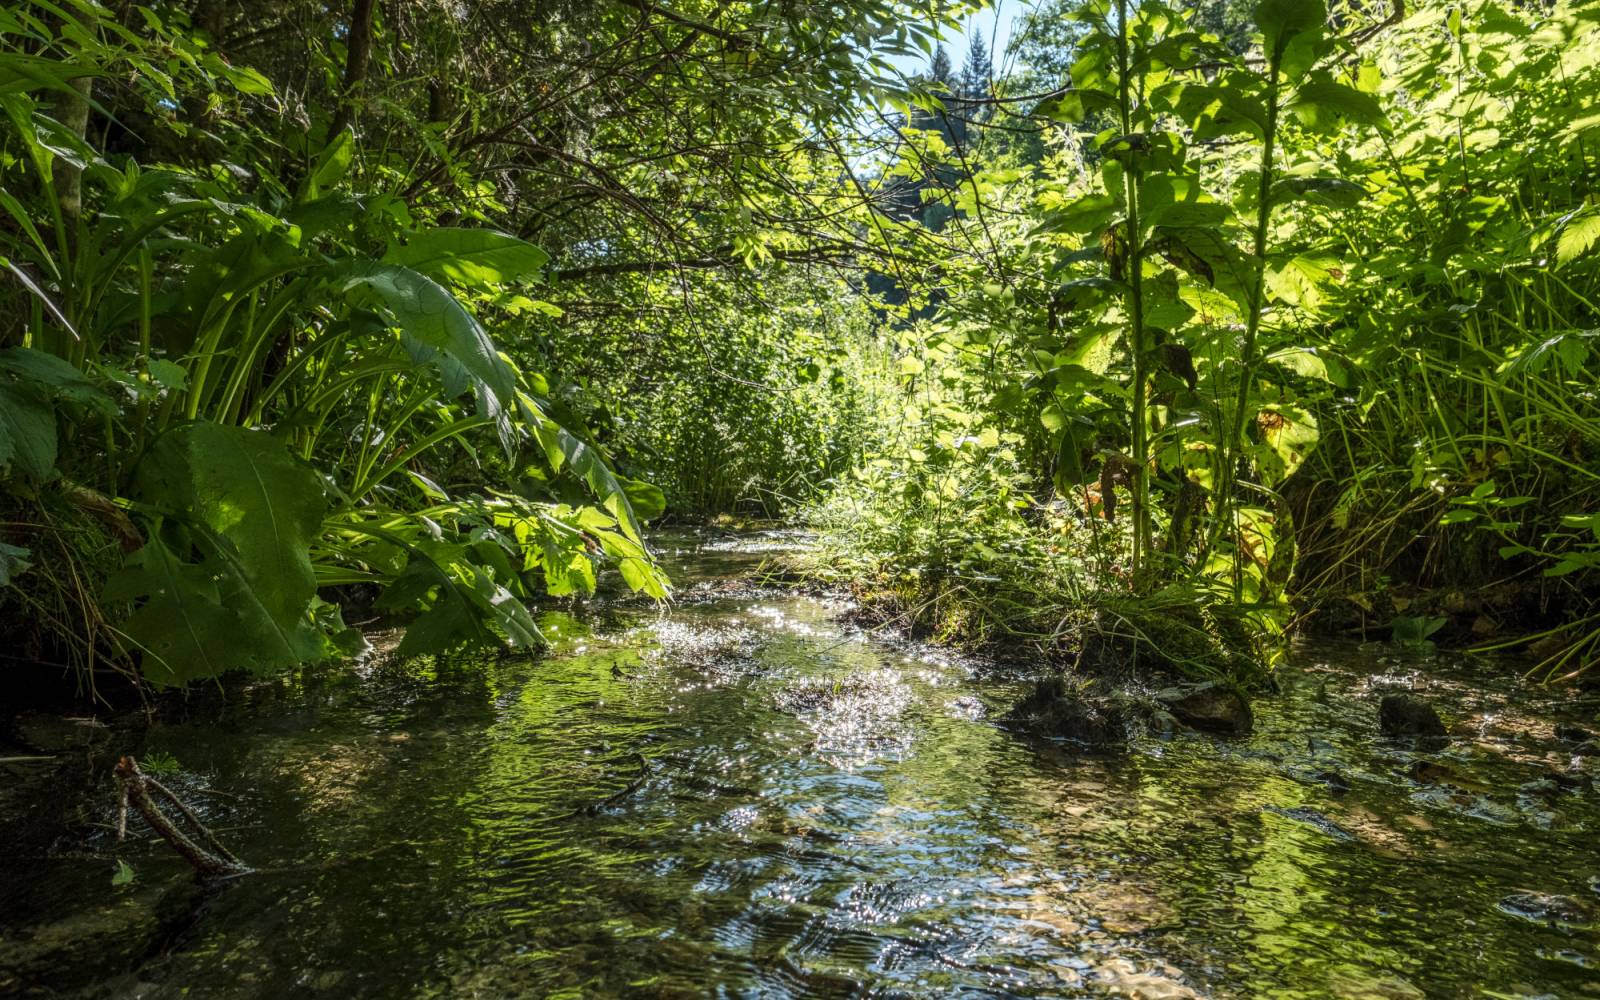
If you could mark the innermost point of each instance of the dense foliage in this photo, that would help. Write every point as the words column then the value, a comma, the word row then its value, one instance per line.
column 1302, row 326
column 1262, row 312
column 274, row 321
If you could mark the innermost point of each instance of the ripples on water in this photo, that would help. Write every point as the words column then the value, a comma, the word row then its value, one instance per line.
column 825, row 816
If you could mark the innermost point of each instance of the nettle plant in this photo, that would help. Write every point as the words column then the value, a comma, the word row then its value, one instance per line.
column 273, row 379
column 1188, row 263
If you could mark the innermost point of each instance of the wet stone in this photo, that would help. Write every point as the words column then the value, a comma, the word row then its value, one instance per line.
column 1310, row 817
column 1210, row 706
column 1059, row 710
column 1408, row 715
column 1572, row 734
column 95, row 943
column 1542, row 908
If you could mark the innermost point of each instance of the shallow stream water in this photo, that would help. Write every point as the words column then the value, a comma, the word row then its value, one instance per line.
column 742, row 796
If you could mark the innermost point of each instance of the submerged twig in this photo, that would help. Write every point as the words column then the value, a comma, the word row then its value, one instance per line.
column 594, row 809
column 209, row 858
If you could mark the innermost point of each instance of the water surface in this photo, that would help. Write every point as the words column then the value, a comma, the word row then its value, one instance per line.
column 821, row 814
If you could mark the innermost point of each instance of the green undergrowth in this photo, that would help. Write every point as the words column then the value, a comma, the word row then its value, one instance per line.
column 1009, row 579
column 68, row 541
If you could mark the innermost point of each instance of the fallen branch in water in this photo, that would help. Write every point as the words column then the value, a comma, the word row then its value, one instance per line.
column 209, row 858
column 611, row 800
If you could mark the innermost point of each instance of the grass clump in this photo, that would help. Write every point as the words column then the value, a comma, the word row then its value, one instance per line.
column 63, row 542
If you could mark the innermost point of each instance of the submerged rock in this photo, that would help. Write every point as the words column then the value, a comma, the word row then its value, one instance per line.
column 95, row 943
column 1059, row 709
column 1312, row 818
column 1408, row 715
column 1572, row 734
column 1209, row 706
column 1542, row 908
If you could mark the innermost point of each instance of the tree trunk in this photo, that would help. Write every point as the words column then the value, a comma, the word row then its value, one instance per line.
column 71, row 109
column 358, row 56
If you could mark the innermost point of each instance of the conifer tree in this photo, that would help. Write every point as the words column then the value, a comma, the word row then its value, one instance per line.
column 978, row 69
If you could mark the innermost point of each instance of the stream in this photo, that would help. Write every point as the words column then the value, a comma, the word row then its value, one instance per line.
column 743, row 796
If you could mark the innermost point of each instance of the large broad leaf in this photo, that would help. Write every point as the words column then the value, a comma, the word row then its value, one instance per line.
column 1075, row 105
column 1326, row 104
column 434, row 319
column 459, row 600
column 1303, row 280
column 1224, row 109
column 200, row 619
column 1578, row 236
column 13, row 563
column 565, row 450
column 1283, row 24
column 1085, row 215
column 20, row 73
column 1334, row 192
column 62, row 380
column 27, row 431
column 250, row 511
column 331, row 166
column 249, row 490
column 472, row 257
column 1289, row 433
column 30, row 383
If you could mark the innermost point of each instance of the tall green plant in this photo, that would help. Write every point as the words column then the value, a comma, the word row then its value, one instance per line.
column 285, row 391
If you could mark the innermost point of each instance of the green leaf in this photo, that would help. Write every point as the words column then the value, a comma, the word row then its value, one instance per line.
column 1289, row 434
column 123, row 875
column 648, row 501
column 27, row 432
column 248, row 80
column 250, row 511
column 1085, row 215
column 1334, row 192
column 563, row 449
column 1084, row 291
column 477, row 258
column 1415, row 630
column 13, row 563
column 435, row 320
column 20, row 73
column 1075, row 105
column 200, row 620
column 1282, row 21
column 247, row 489
column 1325, row 103
column 1578, row 237
column 1214, row 111
column 460, row 601
column 1302, row 281
column 638, row 570
column 59, row 379
column 1585, row 121
column 331, row 166
column 169, row 374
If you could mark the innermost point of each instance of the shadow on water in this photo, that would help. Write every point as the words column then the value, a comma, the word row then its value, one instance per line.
column 823, row 815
